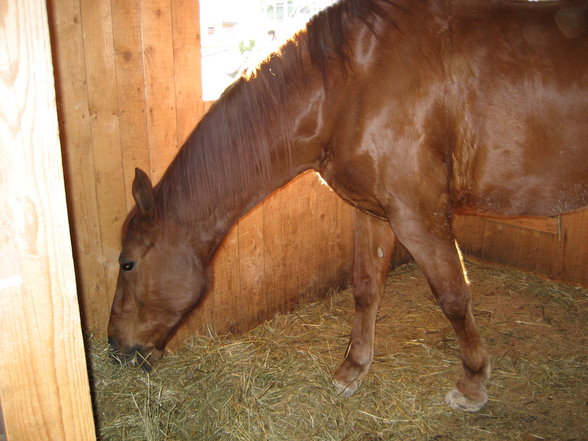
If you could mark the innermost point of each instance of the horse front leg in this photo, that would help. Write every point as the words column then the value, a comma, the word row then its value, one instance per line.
column 373, row 243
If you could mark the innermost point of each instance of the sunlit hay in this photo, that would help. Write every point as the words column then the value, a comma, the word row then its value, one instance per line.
column 274, row 382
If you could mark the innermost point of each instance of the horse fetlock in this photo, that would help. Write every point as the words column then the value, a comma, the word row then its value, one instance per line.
column 483, row 372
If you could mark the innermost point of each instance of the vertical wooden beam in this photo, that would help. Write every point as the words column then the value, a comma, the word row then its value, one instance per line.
column 310, row 252
column 130, row 83
column 225, row 296
column 78, row 156
column 251, row 299
column 43, row 380
column 290, row 215
column 158, row 59
column 573, row 226
column 581, row 258
column 501, row 243
column 469, row 231
column 187, row 66
column 530, row 246
column 101, row 82
column 273, row 252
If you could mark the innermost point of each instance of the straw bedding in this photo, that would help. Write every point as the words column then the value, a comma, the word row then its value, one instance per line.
column 274, row 382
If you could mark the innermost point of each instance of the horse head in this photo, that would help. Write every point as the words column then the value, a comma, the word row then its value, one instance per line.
column 161, row 278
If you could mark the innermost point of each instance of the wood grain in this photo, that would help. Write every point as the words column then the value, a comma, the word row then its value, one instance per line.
column 553, row 247
column 548, row 225
column 106, row 146
column 78, row 156
column 187, row 66
column 43, row 380
column 130, row 91
column 160, row 88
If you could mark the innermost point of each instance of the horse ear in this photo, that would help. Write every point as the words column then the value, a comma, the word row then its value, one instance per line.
column 143, row 192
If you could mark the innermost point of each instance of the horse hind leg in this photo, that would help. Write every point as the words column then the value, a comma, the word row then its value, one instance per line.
column 373, row 243
column 436, row 253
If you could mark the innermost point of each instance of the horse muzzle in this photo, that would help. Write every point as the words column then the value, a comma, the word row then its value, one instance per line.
column 135, row 355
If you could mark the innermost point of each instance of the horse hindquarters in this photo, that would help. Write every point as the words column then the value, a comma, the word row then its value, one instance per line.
column 373, row 243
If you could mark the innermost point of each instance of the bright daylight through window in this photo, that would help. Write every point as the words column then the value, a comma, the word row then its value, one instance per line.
column 237, row 34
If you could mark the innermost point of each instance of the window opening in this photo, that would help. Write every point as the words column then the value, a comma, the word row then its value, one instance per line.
column 241, row 33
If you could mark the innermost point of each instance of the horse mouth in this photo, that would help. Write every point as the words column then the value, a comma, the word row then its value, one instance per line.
column 136, row 355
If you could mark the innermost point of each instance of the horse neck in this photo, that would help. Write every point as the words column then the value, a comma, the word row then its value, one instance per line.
column 246, row 147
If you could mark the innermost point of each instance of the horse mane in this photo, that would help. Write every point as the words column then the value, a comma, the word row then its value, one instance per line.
column 232, row 142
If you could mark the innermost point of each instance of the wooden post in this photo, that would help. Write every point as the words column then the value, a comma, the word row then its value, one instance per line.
column 44, row 386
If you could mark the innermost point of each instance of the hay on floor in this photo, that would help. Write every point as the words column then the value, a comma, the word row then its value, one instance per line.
column 274, row 382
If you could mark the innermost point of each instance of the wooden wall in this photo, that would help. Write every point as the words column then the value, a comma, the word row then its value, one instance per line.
column 44, row 386
column 129, row 93
column 553, row 247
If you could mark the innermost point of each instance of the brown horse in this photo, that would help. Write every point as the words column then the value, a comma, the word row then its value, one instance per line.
column 411, row 110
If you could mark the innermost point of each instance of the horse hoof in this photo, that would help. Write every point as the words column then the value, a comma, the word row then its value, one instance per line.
column 458, row 401
column 346, row 389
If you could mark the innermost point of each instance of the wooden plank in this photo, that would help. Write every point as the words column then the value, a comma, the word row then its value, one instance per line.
column 344, row 252
column 252, row 302
column 158, row 59
column 558, row 257
column 570, row 245
column 289, row 214
column 469, row 231
column 501, row 243
column 581, row 247
column 549, row 259
column 43, row 380
column 227, row 285
column 529, row 248
column 104, row 123
column 78, row 157
column 306, row 263
column 272, row 244
column 187, row 66
column 130, row 81
column 327, row 247
column 549, row 225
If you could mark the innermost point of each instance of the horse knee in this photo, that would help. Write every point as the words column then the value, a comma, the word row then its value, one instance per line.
column 365, row 292
column 455, row 304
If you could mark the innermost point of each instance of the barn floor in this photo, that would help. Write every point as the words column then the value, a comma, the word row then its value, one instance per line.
column 273, row 383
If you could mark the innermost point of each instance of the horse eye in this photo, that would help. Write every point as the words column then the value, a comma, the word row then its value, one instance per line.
column 127, row 266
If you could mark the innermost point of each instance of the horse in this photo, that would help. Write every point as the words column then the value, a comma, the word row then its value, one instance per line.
column 412, row 111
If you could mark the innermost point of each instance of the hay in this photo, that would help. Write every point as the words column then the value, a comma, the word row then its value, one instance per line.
column 274, row 382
